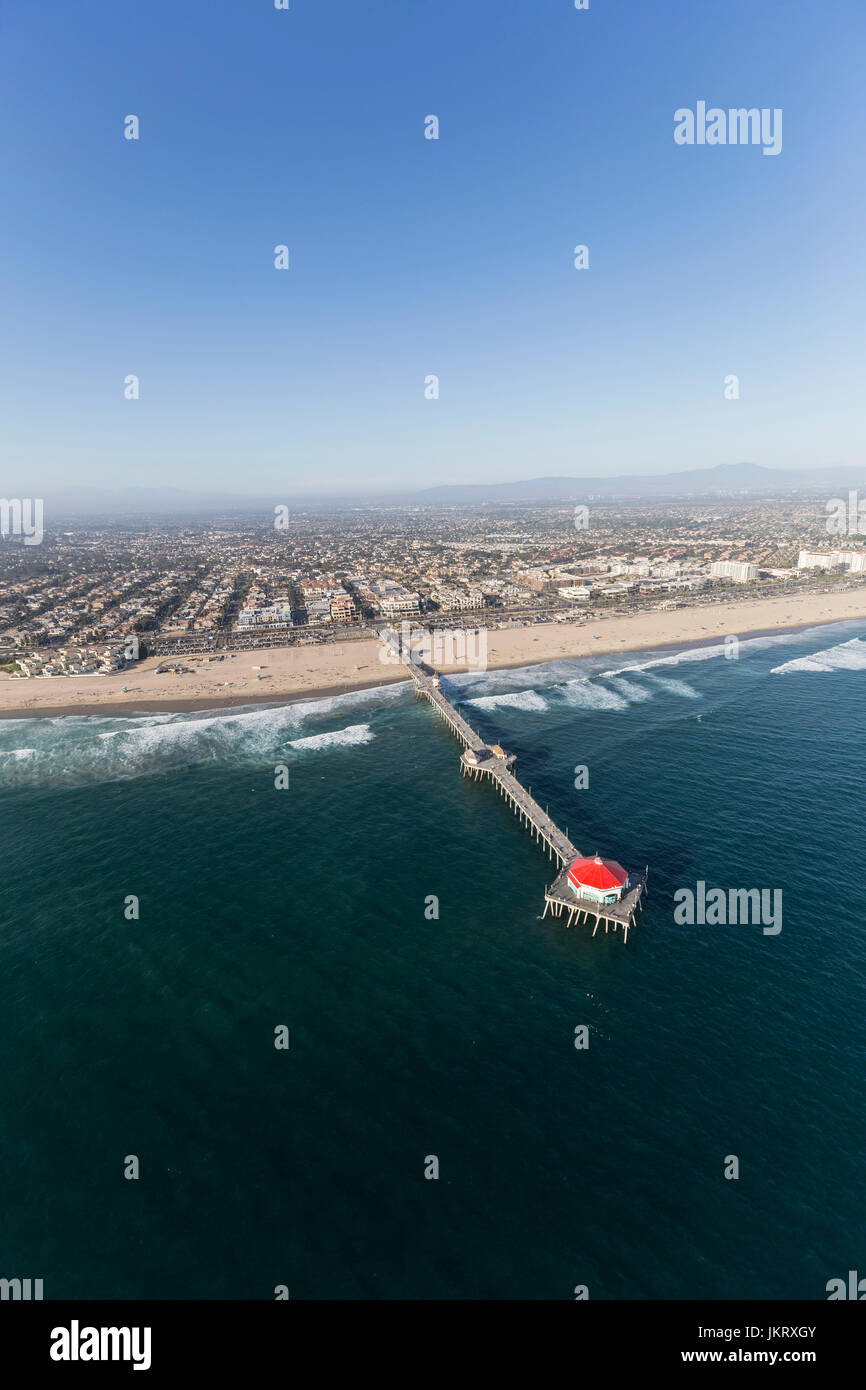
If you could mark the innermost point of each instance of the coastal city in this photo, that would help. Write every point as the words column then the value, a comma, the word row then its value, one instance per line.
column 432, row 674
column 97, row 596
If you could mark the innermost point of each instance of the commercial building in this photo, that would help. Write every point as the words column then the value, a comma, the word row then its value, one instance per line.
column 578, row 592
column 344, row 609
column 391, row 599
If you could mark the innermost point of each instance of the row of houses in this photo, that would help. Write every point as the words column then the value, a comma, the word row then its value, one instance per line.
column 73, row 661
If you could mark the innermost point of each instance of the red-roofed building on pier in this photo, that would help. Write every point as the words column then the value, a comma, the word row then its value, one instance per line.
column 600, row 880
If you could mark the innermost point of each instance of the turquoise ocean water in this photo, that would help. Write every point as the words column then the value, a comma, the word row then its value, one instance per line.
column 453, row 1037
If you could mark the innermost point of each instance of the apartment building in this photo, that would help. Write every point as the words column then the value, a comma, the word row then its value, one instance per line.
column 737, row 570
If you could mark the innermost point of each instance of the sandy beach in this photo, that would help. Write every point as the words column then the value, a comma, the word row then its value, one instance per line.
column 292, row 673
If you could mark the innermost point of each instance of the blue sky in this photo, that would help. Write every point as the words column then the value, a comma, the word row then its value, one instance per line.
column 411, row 257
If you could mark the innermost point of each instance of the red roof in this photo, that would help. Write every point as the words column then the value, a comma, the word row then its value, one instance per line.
column 598, row 873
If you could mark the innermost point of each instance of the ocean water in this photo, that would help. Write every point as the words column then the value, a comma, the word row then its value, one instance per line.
column 412, row 1035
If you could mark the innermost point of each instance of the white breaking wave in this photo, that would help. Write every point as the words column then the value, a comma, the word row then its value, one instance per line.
column 585, row 695
column 553, row 675
column 692, row 654
column 335, row 704
column 708, row 653
column 634, row 693
column 83, row 751
column 340, row 738
column 675, row 687
column 847, row 656
column 519, row 699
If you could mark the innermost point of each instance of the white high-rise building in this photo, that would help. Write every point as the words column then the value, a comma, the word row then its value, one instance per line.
column 737, row 570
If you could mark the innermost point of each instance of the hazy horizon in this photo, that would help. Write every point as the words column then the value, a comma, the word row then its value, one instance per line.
column 724, row 478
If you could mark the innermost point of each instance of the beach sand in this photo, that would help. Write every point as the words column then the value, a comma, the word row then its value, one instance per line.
column 293, row 673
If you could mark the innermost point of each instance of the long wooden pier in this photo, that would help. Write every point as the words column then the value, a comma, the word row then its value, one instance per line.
column 480, row 759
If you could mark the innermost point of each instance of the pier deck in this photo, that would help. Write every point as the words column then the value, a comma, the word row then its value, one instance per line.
column 479, row 759
column 560, row 898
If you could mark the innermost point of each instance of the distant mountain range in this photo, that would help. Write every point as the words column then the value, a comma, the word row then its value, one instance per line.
column 727, row 479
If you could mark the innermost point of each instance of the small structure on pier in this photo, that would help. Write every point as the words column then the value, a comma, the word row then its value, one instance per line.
column 474, row 757
column 601, row 880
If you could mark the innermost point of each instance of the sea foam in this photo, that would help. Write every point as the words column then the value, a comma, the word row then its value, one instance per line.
column 847, row 656
column 518, row 699
column 686, row 692
column 584, row 694
column 631, row 691
column 338, row 738
column 52, row 752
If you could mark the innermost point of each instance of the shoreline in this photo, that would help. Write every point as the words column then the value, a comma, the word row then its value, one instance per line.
column 559, row 642
column 204, row 702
